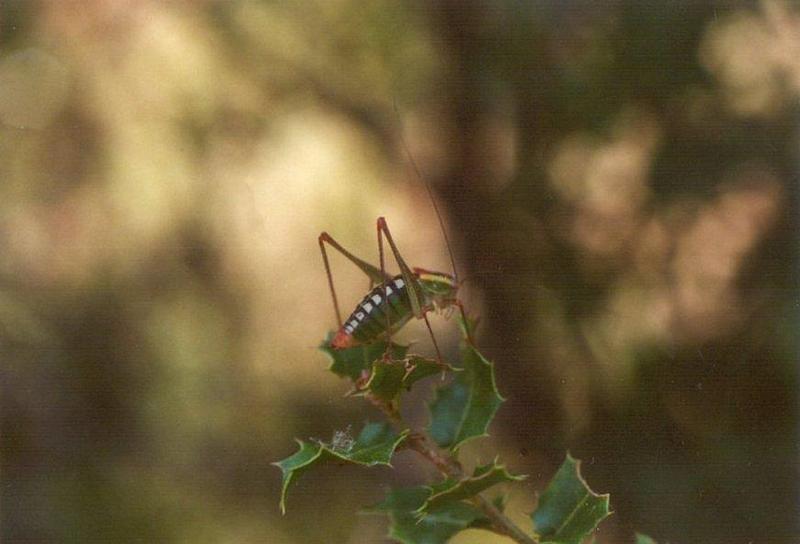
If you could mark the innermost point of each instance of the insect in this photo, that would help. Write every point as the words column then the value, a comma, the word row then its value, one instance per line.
column 392, row 300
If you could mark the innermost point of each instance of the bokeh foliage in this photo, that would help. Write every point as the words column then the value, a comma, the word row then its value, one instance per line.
column 619, row 180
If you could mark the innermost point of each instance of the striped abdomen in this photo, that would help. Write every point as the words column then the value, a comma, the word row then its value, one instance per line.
column 368, row 322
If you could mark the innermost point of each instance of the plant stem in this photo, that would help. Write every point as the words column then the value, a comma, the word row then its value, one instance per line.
column 449, row 466
column 501, row 522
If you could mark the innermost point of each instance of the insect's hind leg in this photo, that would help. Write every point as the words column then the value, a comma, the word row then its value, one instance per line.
column 411, row 287
column 373, row 273
column 324, row 237
column 383, row 230
column 382, row 261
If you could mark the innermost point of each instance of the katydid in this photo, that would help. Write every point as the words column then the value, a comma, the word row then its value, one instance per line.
column 392, row 300
column 396, row 299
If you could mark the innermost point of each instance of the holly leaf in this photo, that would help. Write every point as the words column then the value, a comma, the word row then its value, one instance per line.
column 467, row 325
column 386, row 379
column 419, row 368
column 644, row 539
column 390, row 378
column 463, row 409
column 452, row 490
column 436, row 527
column 352, row 362
column 568, row 511
column 375, row 445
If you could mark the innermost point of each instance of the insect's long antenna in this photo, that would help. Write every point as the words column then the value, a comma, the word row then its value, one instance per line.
column 428, row 188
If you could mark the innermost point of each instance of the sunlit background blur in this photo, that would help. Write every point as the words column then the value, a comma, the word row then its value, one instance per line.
column 619, row 181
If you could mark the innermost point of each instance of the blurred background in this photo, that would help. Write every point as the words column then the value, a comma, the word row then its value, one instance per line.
column 618, row 179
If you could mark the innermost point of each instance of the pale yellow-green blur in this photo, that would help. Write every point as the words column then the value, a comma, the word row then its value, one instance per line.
column 166, row 168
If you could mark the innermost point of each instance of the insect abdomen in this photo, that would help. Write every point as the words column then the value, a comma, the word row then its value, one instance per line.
column 369, row 320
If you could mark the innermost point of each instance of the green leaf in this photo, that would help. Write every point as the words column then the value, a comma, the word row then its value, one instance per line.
column 452, row 490
column 390, row 378
column 375, row 445
column 419, row 368
column 644, row 539
column 568, row 510
column 436, row 527
column 352, row 362
column 386, row 380
column 467, row 326
column 463, row 409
